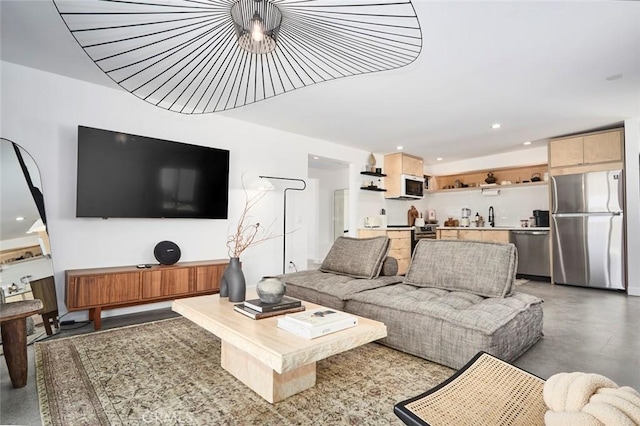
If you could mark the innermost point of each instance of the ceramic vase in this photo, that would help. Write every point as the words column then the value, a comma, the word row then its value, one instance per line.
column 270, row 289
column 224, row 287
column 234, row 278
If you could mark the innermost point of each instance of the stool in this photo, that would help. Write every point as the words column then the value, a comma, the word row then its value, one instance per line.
column 13, row 324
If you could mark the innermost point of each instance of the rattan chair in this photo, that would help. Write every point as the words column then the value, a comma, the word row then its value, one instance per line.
column 486, row 391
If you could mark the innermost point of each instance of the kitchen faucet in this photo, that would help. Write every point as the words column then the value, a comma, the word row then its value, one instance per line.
column 492, row 222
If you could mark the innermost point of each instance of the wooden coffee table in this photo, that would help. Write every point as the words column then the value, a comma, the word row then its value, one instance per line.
column 272, row 362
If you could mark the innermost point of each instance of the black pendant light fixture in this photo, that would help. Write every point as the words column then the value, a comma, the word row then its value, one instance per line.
column 201, row 56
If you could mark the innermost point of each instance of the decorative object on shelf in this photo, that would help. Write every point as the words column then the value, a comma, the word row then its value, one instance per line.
column 167, row 252
column 490, row 178
column 284, row 212
column 536, row 177
column 197, row 57
column 270, row 289
column 372, row 163
column 235, row 281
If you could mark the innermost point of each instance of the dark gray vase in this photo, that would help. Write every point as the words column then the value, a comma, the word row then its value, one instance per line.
column 234, row 278
column 224, row 287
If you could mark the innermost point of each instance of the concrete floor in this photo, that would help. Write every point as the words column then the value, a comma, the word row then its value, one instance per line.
column 584, row 330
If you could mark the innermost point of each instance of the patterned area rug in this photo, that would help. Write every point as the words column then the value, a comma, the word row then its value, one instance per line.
column 168, row 372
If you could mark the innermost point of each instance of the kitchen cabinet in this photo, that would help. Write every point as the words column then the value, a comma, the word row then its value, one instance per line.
column 489, row 235
column 399, row 244
column 518, row 176
column 400, row 163
column 107, row 288
column 396, row 165
column 588, row 152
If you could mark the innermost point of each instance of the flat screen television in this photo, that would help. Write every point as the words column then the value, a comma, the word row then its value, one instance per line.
column 123, row 175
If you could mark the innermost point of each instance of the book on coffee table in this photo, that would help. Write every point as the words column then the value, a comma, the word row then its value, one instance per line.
column 251, row 313
column 316, row 322
column 285, row 303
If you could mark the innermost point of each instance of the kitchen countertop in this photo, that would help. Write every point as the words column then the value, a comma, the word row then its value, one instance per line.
column 497, row 228
column 389, row 228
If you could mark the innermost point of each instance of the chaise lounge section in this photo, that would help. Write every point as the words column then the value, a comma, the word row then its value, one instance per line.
column 455, row 300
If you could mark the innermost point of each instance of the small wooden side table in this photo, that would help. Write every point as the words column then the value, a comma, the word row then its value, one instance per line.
column 13, row 324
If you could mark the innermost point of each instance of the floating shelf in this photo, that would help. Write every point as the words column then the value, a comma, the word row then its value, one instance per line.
column 373, row 174
column 373, row 188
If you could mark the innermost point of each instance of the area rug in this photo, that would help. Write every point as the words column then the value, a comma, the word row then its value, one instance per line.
column 168, row 372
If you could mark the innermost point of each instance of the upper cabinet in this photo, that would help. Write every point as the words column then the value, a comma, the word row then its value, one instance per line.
column 403, row 164
column 398, row 164
column 588, row 152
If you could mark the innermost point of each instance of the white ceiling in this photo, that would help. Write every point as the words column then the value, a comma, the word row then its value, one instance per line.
column 540, row 68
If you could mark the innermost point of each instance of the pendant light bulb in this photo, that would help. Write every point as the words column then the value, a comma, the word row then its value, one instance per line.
column 257, row 30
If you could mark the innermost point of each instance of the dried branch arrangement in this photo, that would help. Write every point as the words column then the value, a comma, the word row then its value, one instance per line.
column 249, row 232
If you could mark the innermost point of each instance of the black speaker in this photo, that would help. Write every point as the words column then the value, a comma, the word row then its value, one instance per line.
column 167, row 252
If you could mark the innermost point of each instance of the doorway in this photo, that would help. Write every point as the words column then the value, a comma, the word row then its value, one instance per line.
column 329, row 210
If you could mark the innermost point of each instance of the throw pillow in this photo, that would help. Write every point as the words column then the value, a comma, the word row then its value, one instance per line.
column 356, row 257
column 389, row 267
column 482, row 268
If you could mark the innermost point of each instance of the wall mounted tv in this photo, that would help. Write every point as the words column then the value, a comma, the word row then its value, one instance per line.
column 123, row 175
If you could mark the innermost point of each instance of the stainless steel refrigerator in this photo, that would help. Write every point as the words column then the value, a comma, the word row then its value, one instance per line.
column 587, row 228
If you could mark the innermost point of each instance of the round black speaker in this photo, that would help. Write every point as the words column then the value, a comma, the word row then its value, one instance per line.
column 167, row 252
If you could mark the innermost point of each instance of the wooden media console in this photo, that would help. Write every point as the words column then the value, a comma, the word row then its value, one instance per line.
column 108, row 288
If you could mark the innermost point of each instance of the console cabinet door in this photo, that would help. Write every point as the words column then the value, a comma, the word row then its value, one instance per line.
column 96, row 290
column 209, row 277
column 165, row 283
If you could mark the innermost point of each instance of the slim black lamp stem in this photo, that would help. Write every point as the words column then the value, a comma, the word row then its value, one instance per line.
column 284, row 213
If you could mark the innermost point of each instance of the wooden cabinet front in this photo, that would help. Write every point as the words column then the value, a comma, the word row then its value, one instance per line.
column 494, row 236
column 107, row 288
column 165, row 283
column 588, row 152
column 399, row 245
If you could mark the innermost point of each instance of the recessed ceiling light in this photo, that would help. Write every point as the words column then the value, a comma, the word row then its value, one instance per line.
column 527, row 143
column 496, row 126
column 399, row 147
column 316, row 158
column 19, row 218
column 614, row 77
column 439, row 159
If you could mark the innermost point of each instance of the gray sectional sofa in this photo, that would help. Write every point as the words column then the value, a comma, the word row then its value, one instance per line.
column 456, row 299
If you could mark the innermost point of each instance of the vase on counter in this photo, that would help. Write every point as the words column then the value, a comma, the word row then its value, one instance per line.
column 270, row 289
column 235, row 282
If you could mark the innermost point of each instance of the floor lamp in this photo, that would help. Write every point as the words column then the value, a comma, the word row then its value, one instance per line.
column 284, row 213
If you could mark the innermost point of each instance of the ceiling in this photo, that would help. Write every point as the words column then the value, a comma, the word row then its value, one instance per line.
column 539, row 68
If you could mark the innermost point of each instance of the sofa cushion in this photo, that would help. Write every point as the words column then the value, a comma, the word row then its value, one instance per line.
column 356, row 257
column 482, row 268
column 449, row 327
column 330, row 290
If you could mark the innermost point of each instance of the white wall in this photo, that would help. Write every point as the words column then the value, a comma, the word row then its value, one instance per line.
column 41, row 112
column 632, row 212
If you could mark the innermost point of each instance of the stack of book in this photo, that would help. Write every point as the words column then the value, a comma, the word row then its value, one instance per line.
column 316, row 322
column 256, row 309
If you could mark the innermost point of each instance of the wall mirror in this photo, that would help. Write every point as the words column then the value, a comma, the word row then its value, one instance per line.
column 26, row 269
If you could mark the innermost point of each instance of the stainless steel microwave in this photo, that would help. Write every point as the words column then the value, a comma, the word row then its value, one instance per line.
column 411, row 186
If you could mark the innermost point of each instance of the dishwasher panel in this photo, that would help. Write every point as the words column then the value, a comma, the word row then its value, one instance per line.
column 533, row 252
